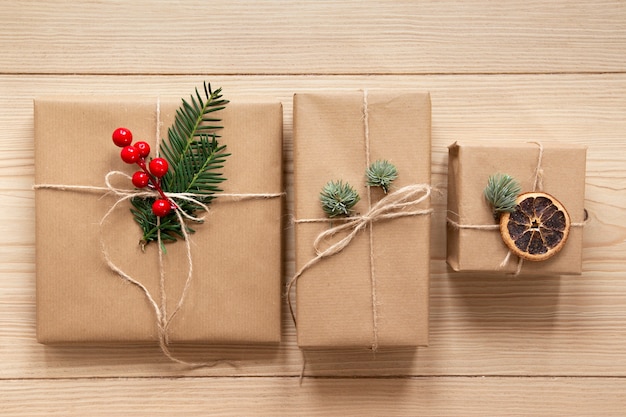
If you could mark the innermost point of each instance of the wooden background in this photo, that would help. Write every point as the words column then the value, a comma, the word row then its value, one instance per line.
column 508, row 70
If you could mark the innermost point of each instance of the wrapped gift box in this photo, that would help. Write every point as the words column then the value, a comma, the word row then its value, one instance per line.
column 469, row 167
column 335, row 298
column 235, row 295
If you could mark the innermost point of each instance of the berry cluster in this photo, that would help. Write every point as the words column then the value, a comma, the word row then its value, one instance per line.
column 149, row 176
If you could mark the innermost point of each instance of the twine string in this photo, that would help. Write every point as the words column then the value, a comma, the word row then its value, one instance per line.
column 130, row 193
column 538, row 182
column 537, row 186
column 164, row 320
column 366, row 133
column 459, row 226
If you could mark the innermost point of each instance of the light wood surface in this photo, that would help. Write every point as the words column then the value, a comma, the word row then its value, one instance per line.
column 513, row 70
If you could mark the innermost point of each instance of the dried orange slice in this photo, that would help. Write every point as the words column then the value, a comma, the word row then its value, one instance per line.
column 537, row 229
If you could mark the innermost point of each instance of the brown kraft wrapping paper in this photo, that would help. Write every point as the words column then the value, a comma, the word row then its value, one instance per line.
column 234, row 297
column 334, row 297
column 469, row 167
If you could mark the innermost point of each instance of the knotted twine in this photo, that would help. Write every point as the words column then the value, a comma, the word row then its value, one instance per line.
column 537, row 186
column 162, row 317
column 400, row 203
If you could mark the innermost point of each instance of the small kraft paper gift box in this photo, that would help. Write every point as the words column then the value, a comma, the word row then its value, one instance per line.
column 475, row 237
column 366, row 285
column 233, row 293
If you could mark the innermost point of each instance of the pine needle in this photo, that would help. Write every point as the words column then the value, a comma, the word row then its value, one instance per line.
column 501, row 192
column 195, row 160
column 381, row 174
column 338, row 198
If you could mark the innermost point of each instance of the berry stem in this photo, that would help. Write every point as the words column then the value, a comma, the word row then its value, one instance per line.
column 156, row 183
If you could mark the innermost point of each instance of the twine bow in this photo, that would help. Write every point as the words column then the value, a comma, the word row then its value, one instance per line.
column 393, row 206
column 163, row 318
column 400, row 203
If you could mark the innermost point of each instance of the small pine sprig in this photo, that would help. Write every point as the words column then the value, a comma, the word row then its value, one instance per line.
column 381, row 174
column 195, row 159
column 338, row 198
column 501, row 192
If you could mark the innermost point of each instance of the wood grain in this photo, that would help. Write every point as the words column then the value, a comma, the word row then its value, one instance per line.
column 501, row 397
column 300, row 37
column 532, row 70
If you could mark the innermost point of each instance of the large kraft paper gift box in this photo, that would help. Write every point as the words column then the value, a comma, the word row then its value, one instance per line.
column 235, row 294
column 471, row 164
column 337, row 298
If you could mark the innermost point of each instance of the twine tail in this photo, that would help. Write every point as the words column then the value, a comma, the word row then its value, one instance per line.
column 119, row 271
column 189, row 279
column 164, row 321
column 164, row 345
column 539, row 180
column 302, row 370
column 506, row 259
column 290, row 284
column 518, row 270
column 159, row 311
column 294, row 280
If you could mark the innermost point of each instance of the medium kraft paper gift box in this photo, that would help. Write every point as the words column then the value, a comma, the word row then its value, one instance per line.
column 471, row 164
column 338, row 303
column 234, row 296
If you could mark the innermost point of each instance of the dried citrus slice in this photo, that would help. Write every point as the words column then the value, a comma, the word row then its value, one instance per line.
column 537, row 229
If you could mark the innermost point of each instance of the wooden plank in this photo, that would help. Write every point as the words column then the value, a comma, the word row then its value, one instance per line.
column 480, row 325
column 316, row 397
column 339, row 37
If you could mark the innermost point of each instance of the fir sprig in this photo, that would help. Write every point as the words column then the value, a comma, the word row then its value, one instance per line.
column 501, row 192
column 338, row 198
column 381, row 174
column 195, row 160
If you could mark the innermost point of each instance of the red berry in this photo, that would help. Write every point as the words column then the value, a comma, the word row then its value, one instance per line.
column 158, row 167
column 140, row 179
column 143, row 148
column 122, row 137
column 161, row 207
column 129, row 154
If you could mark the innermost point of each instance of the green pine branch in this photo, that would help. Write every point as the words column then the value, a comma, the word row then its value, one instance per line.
column 195, row 160
column 501, row 192
column 338, row 198
column 381, row 173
